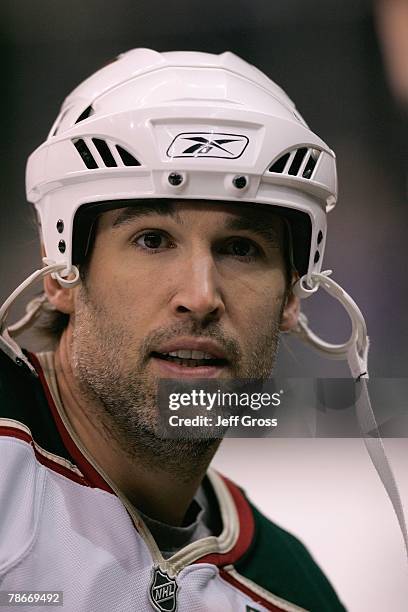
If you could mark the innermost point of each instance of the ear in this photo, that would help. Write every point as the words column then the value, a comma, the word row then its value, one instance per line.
column 290, row 314
column 62, row 298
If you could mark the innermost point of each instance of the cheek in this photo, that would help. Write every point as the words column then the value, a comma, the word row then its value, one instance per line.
column 129, row 300
column 258, row 294
column 255, row 311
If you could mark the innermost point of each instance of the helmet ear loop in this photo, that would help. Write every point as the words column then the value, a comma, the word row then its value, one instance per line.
column 303, row 290
column 68, row 283
column 57, row 270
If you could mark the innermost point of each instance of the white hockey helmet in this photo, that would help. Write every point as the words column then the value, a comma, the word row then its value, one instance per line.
column 185, row 125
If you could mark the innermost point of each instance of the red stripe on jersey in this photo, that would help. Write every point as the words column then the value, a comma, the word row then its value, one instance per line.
column 246, row 530
column 254, row 596
column 47, row 461
column 93, row 478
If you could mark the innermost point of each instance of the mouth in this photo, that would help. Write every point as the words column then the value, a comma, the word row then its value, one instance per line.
column 194, row 358
column 190, row 358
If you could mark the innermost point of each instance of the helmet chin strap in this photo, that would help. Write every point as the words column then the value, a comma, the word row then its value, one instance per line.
column 355, row 351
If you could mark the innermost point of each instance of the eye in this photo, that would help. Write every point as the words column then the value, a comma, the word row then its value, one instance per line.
column 241, row 247
column 153, row 240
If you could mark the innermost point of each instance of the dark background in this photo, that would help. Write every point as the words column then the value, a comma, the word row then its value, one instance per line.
column 325, row 53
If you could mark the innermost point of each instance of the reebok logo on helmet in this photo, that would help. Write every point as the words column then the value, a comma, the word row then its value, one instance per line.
column 208, row 144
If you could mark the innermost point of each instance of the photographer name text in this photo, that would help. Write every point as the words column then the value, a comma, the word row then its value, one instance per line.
column 230, row 421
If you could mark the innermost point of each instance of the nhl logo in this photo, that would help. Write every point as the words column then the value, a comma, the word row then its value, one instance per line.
column 163, row 591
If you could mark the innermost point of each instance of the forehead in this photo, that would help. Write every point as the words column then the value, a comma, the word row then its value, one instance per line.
column 230, row 215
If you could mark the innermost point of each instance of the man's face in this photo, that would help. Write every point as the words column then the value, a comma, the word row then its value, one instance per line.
column 183, row 290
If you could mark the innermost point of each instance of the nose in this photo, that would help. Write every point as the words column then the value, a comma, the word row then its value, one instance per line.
column 198, row 295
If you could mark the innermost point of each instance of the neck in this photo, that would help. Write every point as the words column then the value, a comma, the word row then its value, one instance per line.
column 162, row 490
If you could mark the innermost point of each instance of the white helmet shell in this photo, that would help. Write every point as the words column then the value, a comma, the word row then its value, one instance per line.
column 183, row 125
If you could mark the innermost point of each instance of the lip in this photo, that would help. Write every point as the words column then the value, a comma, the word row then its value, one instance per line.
column 167, row 369
column 194, row 344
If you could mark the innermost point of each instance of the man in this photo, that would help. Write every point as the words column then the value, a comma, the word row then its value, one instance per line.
column 180, row 197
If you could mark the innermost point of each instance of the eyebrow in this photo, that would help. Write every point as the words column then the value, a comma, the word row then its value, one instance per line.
column 260, row 224
column 130, row 213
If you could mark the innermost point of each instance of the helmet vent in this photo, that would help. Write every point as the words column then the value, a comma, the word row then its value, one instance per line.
column 85, row 153
column 311, row 163
column 298, row 162
column 85, row 114
column 96, row 153
column 105, row 152
column 127, row 157
column 280, row 164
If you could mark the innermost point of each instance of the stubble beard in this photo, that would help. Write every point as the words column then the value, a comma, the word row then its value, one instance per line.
column 113, row 376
